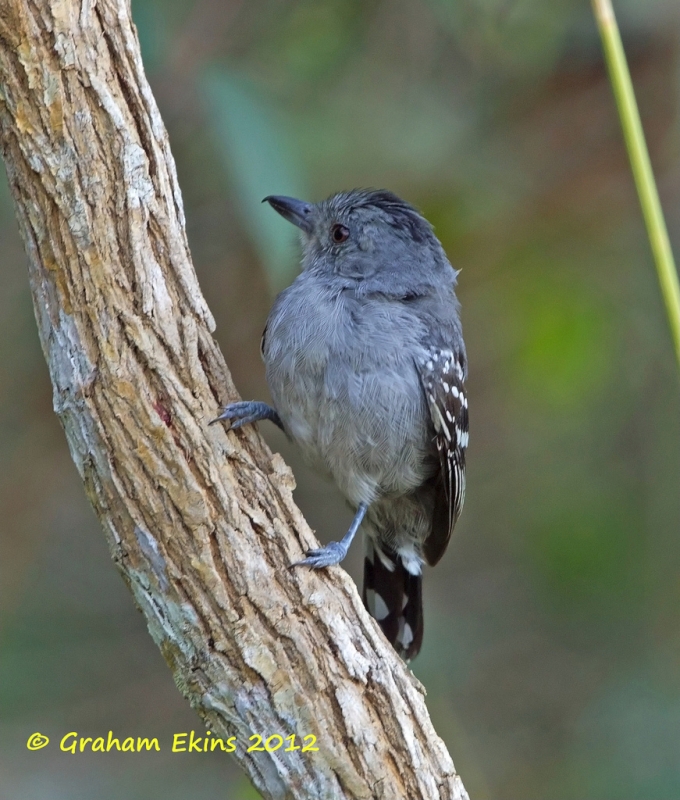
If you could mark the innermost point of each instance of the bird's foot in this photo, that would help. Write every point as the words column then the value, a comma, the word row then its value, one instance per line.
column 247, row 411
column 332, row 553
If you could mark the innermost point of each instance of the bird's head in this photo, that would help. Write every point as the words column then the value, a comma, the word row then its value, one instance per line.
column 371, row 239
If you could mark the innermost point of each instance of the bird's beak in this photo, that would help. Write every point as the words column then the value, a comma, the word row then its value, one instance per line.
column 296, row 211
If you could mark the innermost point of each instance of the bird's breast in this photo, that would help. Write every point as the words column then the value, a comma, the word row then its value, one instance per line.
column 343, row 379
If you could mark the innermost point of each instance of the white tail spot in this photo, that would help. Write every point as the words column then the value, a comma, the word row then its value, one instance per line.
column 406, row 636
column 380, row 610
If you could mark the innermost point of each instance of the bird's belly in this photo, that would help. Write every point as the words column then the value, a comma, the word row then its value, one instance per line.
column 343, row 378
column 366, row 430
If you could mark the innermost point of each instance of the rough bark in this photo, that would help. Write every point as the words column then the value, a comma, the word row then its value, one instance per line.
column 201, row 522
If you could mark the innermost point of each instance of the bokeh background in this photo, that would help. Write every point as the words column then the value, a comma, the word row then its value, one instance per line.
column 552, row 649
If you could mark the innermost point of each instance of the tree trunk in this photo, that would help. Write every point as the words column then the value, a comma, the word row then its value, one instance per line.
column 201, row 522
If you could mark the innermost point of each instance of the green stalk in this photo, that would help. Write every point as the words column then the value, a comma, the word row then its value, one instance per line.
column 640, row 164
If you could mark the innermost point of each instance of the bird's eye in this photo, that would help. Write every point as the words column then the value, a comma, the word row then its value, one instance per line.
column 339, row 234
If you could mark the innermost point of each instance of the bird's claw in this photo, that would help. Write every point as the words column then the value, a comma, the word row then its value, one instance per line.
column 238, row 414
column 246, row 411
column 327, row 556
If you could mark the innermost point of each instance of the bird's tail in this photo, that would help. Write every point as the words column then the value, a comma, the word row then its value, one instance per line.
column 394, row 598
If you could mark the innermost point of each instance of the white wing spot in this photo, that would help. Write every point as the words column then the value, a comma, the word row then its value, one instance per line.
column 444, row 427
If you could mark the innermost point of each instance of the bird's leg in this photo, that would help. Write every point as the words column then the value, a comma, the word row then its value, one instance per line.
column 247, row 411
column 334, row 552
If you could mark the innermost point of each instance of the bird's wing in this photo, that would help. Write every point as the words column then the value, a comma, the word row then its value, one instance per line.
column 442, row 374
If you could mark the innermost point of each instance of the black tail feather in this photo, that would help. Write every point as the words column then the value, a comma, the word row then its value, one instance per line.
column 394, row 598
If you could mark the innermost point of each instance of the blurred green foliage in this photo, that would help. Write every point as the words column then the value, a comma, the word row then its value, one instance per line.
column 314, row 38
column 552, row 652
column 258, row 154
column 523, row 36
column 564, row 354
column 589, row 558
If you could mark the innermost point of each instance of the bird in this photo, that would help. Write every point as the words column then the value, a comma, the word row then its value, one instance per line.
column 366, row 366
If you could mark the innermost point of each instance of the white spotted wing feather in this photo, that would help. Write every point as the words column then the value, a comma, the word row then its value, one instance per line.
column 442, row 374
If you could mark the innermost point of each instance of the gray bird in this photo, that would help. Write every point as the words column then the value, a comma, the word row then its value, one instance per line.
column 366, row 366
